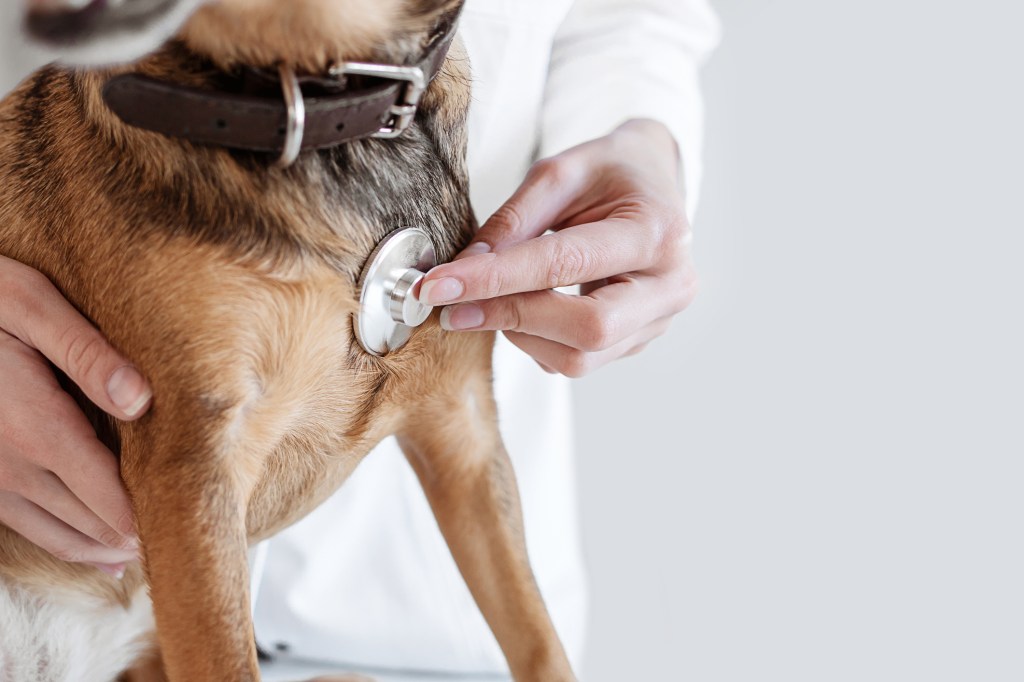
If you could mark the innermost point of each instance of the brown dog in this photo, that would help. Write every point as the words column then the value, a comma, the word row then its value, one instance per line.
column 232, row 284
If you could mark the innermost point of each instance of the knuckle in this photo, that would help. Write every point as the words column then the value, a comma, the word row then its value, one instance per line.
column 83, row 351
column 493, row 282
column 508, row 314
column 674, row 236
column 686, row 292
column 552, row 171
column 576, row 364
column 636, row 350
column 109, row 537
column 127, row 521
column 505, row 223
column 597, row 331
column 568, row 265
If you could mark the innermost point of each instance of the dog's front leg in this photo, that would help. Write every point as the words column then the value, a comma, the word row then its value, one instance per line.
column 190, row 508
column 452, row 441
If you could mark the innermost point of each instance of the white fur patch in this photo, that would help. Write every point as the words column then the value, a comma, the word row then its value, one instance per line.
column 69, row 639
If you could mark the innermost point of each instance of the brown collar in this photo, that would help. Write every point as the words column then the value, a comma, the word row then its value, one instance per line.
column 380, row 101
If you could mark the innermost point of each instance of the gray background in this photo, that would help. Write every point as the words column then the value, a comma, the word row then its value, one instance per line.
column 817, row 474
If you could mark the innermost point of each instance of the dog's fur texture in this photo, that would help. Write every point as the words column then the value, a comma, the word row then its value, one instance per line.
column 78, row 638
column 232, row 285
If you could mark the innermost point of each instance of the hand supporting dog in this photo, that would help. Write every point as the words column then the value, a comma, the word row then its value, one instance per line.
column 59, row 485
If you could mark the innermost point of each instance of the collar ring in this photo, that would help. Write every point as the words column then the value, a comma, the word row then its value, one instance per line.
column 296, row 124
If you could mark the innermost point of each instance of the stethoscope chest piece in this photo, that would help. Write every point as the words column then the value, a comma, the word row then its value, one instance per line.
column 389, row 307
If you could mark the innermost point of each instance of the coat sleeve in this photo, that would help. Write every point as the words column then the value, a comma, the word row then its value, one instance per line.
column 613, row 60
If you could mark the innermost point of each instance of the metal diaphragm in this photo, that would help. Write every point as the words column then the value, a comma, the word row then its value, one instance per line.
column 389, row 307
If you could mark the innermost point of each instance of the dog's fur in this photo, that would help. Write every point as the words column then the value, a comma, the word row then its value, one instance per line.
column 232, row 286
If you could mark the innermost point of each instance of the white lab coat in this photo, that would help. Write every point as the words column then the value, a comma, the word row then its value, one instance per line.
column 367, row 579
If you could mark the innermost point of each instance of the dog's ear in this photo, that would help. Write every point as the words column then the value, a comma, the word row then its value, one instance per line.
column 423, row 15
column 433, row 9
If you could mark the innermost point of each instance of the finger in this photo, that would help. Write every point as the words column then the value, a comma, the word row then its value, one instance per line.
column 41, row 317
column 636, row 350
column 91, row 472
column 53, row 535
column 574, row 255
column 592, row 322
column 47, row 432
column 49, row 493
column 548, row 193
column 85, row 465
column 576, row 363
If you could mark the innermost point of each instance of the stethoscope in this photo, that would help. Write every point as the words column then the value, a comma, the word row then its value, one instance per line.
column 389, row 307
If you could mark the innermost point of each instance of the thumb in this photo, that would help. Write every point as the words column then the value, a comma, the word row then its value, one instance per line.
column 51, row 325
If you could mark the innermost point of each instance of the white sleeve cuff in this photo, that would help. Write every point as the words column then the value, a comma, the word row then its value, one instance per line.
column 615, row 61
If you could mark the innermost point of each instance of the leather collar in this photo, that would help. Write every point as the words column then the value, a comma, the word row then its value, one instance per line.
column 358, row 100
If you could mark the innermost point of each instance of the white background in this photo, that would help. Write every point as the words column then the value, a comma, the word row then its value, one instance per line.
column 818, row 474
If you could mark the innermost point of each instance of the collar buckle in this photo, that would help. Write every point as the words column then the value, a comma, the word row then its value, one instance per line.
column 403, row 111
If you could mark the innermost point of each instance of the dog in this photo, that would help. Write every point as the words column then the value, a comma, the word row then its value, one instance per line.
column 230, row 277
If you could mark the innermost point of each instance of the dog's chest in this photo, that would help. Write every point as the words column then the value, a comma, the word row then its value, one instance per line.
column 75, row 639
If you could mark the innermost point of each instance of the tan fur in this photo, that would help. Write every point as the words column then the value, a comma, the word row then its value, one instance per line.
column 309, row 34
column 150, row 669
column 263, row 403
column 264, row 32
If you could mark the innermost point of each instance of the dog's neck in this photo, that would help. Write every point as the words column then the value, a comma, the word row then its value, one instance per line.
column 253, row 111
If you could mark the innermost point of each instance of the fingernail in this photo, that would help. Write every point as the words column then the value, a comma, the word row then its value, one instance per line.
column 476, row 248
column 132, row 542
column 437, row 292
column 115, row 570
column 464, row 316
column 128, row 390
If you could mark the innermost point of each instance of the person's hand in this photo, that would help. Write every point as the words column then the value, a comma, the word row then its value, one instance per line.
column 620, row 231
column 59, row 486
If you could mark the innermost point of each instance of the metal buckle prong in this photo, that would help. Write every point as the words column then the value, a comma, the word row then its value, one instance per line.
column 404, row 110
column 296, row 126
